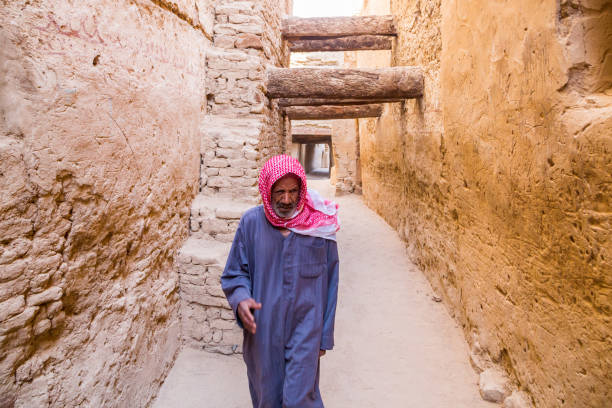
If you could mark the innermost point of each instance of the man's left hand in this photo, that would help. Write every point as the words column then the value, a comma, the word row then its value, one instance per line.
column 321, row 353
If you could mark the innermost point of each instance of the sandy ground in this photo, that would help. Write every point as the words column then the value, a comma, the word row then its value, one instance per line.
column 395, row 346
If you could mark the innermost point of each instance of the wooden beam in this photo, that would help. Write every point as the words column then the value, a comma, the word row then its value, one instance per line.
column 350, row 43
column 310, row 130
column 333, row 112
column 284, row 102
column 310, row 139
column 340, row 83
column 337, row 26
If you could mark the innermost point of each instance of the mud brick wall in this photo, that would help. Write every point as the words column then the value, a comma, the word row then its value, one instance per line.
column 230, row 157
column 277, row 54
column 101, row 104
column 499, row 181
column 247, row 40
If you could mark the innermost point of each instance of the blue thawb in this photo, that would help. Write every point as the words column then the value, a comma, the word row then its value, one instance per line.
column 295, row 278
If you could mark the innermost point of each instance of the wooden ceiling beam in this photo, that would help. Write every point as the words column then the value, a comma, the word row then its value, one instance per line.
column 333, row 112
column 284, row 102
column 305, row 139
column 340, row 83
column 310, row 130
column 337, row 26
column 346, row 43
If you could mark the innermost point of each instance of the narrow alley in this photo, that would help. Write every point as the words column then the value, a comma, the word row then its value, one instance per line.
column 467, row 144
column 395, row 346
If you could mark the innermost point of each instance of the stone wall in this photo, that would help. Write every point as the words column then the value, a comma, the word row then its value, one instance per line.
column 101, row 106
column 247, row 40
column 241, row 130
column 499, row 181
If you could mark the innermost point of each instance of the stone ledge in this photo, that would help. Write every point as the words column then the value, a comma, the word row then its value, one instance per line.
column 204, row 252
column 222, row 207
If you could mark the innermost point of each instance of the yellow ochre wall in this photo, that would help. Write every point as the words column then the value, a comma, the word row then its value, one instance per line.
column 499, row 180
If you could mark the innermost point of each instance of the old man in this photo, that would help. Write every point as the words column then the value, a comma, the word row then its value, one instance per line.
column 281, row 279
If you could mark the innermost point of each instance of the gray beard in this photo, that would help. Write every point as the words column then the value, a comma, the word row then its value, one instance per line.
column 275, row 208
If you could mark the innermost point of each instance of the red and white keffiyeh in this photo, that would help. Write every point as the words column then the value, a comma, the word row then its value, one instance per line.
column 314, row 215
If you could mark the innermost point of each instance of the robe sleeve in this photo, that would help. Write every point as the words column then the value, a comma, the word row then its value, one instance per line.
column 235, row 280
column 327, row 338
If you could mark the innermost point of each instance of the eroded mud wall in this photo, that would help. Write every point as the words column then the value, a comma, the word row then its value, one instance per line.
column 345, row 150
column 101, row 104
column 499, row 181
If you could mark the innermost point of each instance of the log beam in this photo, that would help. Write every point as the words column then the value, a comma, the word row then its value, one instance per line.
column 284, row 102
column 310, row 134
column 333, row 112
column 337, row 26
column 306, row 130
column 310, row 139
column 339, row 83
column 348, row 43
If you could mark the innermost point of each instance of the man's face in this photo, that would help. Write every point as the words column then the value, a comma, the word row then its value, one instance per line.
column 285, row 195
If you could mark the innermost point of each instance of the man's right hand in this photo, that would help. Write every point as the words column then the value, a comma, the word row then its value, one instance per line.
column 245, row 314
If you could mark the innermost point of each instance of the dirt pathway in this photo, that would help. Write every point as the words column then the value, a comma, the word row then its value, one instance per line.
column 395, row 346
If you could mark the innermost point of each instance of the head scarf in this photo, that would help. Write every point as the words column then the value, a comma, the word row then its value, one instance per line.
column 314, row 215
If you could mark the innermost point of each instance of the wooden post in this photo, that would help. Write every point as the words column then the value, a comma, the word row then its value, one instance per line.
column 333, row 112
column 337, row 26
column 394, row 82
column 349, row 43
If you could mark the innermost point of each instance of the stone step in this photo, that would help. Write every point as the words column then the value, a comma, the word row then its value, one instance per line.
column 200, row 251
column 200, row 265
column 207, row 320
column 216, row 217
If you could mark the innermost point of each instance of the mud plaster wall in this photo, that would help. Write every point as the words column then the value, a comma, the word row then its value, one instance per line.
column 499, row 181
column 101, row 103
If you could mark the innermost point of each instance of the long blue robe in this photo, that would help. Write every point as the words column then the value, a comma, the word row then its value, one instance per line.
column 295, row 278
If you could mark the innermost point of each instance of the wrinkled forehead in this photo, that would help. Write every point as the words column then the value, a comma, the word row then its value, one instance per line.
column 289, row 180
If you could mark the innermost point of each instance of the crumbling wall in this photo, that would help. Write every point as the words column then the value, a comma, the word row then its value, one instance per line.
column 499, row 181
column 101, row 103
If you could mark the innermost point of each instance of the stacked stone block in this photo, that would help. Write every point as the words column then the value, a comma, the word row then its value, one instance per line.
column 208, row 321
column 242, row 129
column 216, row 218
column 234, row 82
column 230, row 157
